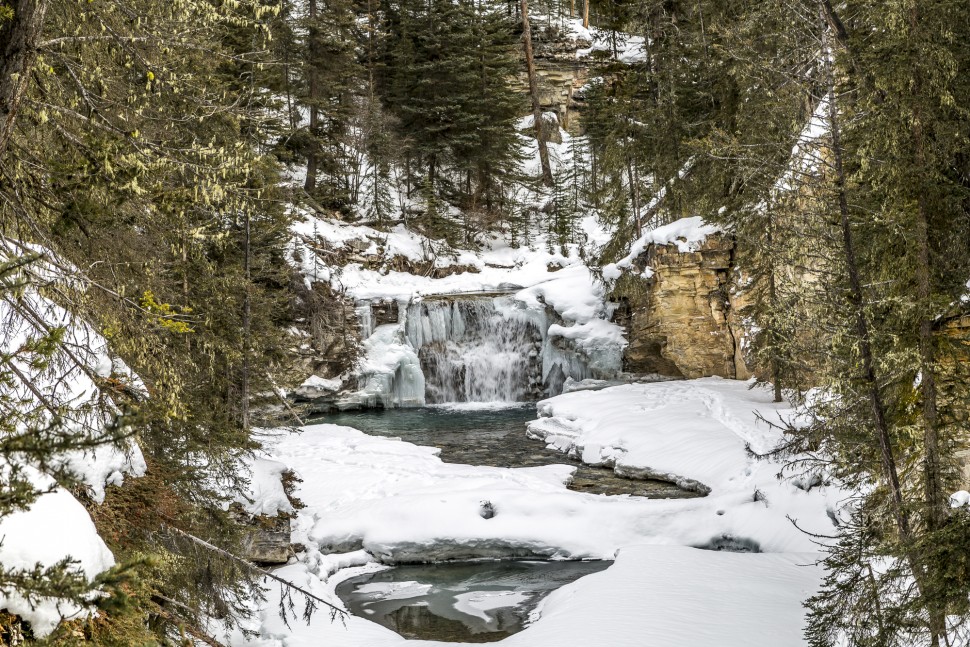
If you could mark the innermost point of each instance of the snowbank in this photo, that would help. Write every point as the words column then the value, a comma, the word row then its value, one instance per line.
column 56, row 527
column 657, row 596
column 687, row 233
column 372, row 500
column 64, row 386
column 400, row 502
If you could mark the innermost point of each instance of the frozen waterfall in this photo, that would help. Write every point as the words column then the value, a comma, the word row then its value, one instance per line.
column 466, row 349
column 476, row 350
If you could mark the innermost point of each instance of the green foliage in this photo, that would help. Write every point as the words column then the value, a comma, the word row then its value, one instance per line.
column 445, row 77
column 139, row 156
column 648, row 122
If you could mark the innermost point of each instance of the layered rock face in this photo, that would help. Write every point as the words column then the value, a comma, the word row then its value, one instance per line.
column 682, row 321
column 560, row 77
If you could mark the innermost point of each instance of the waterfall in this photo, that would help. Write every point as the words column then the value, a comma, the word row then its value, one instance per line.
column 476, row 350
column 467, row 349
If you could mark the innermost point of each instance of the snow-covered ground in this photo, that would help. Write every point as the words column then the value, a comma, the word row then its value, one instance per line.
column 56, row 525
column 373, row 501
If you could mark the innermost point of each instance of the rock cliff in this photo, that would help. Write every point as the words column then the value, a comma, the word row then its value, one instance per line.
column 680, row 312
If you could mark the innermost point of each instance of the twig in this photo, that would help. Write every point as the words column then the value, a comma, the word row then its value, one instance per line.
column 336, row 611
column 189, row 629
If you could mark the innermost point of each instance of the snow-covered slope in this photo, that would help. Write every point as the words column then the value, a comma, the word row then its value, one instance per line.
column 64, row 386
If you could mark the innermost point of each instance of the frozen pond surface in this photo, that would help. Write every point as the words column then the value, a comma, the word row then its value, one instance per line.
column 495, row 437
column 472, row 602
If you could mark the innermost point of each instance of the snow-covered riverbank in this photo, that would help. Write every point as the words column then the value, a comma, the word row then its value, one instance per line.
column 376, row 500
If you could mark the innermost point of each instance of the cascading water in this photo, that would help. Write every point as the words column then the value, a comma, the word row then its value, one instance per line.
column 476, row 350
column 467, row 349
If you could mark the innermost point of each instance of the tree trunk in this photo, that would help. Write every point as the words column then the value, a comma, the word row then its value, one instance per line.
column 21, row 35
column 773, row 301
column 534, row 93
column 934, row 496
column 634, row 197
column 311, row 163
column 586, row 14
column 247, row 324
column 856, row 301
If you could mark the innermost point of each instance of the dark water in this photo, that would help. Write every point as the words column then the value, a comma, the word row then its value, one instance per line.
column 495, row 437
column 471, row 602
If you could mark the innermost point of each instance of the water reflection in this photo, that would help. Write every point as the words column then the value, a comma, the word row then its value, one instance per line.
column 474, row 602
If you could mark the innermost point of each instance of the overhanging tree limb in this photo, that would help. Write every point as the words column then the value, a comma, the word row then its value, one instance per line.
column 334, row 610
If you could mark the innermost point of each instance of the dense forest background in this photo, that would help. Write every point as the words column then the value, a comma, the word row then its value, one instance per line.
column 154, row 155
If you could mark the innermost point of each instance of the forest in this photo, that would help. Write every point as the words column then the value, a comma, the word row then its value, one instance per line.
column 225, row 220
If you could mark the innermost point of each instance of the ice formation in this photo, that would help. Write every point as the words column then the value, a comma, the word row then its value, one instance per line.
column 505, row 348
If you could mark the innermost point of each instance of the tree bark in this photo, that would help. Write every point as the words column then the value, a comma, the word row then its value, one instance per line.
column 22, row 36
column 935, row 498
column 634, row 195
column 247, row 323
column 934, row 495
column 586, row 14
column 311, row 163
column 534, row 93
column 773, row 300
column 857, row 302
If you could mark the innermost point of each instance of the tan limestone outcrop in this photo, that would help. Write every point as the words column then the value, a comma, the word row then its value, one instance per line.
column 682, row 321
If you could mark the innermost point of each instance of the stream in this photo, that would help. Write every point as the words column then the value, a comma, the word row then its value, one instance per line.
column 494, row 437
column 483, row 600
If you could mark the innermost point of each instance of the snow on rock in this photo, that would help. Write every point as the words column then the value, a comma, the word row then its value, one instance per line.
column 960, row 499
column 318, row 387
column 687, row 233
column 265, row 494
column 579, row 300
column 55, row 527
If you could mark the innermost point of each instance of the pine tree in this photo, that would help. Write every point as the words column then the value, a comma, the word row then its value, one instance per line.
column 330, row 77
column 880, row 267
column 445, row 80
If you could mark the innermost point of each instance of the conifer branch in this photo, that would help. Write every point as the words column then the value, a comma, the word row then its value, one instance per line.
column 334, row 610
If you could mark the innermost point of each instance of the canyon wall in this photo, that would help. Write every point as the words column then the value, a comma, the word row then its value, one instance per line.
column 680, row 310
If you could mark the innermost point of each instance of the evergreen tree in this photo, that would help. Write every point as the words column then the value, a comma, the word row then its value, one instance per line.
column 865, row 225
column 445, row 79
column 331, row 76
column 146, row 170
